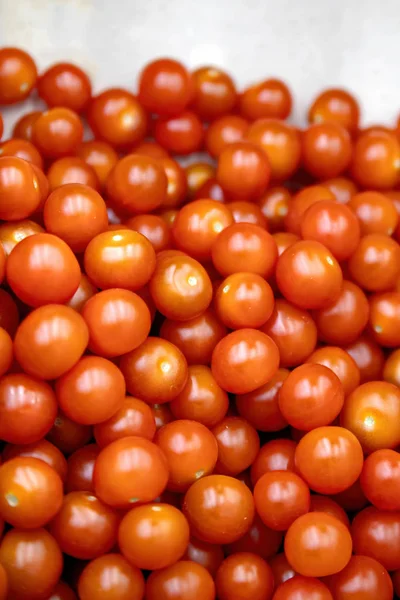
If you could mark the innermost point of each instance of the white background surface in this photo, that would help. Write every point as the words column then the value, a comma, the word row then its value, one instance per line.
column 312, row 44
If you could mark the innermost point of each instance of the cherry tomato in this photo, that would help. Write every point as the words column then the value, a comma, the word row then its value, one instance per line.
column 308, row 275
column 281, row 569
column 327, row 505
column 280, row 497
column 376, row 533
column 152, row 149
column 65, row 84
column 33, row 563
column 85, row 291
column 362, row 579
column 342, row 188
column 80, row 469
column 42, row 269
column 334, row 225
column 116, row 117
column 379, row 479
column 198, row 225
column 329, row 459
column 137, row 184
column 274, row 205
column 211, row 189
column 165, row 87
column 376, row 160
column 62, row 591
column 92, row 391
column 118, row 321
column 391, row 371
column 28, row 408
column 99, row 155
column 184, row 579
column 23, row 127
column 220, row 509
column 343, row 321
column 6, row 351
column 191, row 451
column 247, row 212
column 67, row 435
column 197, row 174
column 180, row 287
column 341, row 363
column 201, row 399
column 153, row 536
column 243, row 170
column 372, row 413
column 302, row 588
column 384, row 318
column 18, row 75
column 244, row 247
column 244, row 360
column 139, row 468
column 326, row 150
column 293, row 331
column 317, row 545
column 337, row 106
column 57, row 132
column 214, row 93
column 133, row 418
column 41, row 450
column 22, row 149
column 369, row 358
column 50, row 341
column 19, row 188
column 244, row 575
column 156, row 371
column 71, row 169
column 268, row 99
column 9, row 315
column 244, row 300
column 154, row 228
column 375, row 212
column 11, row 233
column 119, row 259
column 238, row 445
column 301, row 202
column 111, row 577
column 223, row 132
column 181, row 134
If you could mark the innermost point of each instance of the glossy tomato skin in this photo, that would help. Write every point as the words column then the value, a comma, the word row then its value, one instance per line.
column 325, row 504
column 23, row 127
column 13, row 232
column 371, row 413
column 329, row 459
column 28, row 408
column 81, row 467
column 243, row 171
column 6, row 351
column 242, row 371
column 274, row 205
column 92, row 391
column 311, row 396
column 19, row 187
column 111, row 577
column 156, row 371
column 207, row 555
column 154, row 228
column 18, row 75
column 42, row 450
column 133, row 418
column 153, row 536
column 148, row 472
column 118, row 321
column 186, row 578
column 244, row 300
column 376, row 159
column 375, row 212
column 165, row 87
column 335, row 105
column 363, row 578
column 122, row 258
column 317, row 545
column 341, row 363
column 57, row 132
column 244, row 247
column 384, row 319
column 244, row 574
column 84, row 527
column 380, row 479
column 281, row 497
column 224, row 131
column 116, row 117
column 260, row 407
column 99, row 155
column 268, row 99
column 65, row 84
column 22, row 149
column 238, row 445
column 308, row 275
column 391, row 372
column 214, row 93
column 196, row 337
column 50, row 356
column 376, row 534
column 42, row 269
column 31, row 492
column 326, row 150
column 293, row 331
column 302, row 201
column 191, row 451
column 302, row 588
column 33, row 562
column 180, row 134
column 67, row 435
column 220, row 509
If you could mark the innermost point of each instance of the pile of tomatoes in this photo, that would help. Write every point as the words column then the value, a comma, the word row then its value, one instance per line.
column 199, row 357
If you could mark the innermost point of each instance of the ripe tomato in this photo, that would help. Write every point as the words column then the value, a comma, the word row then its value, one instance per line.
column 153, row 536
column 341, row 363
column 362, row 578
column 244, row 574
column 224, row 131
column 338, row 106
column 376, row 160
column 81, row 467
column 57, row 132
column 214, row 93
column 133, row 418
column 207, row 555
column 238, row 445
column 110, row 577
column 243, row 170
column 375, row 212
column 379, row 479
column 165, row 87
column 65, row 84
column 180, row 134
column 302, row 588
column 376, row 534
column 13, row 232
column 100, row 156
column 326, row 150
column 154, row 228
column 384, row 318
column 184, row 579
column 18, row 75
column 41, row 450
column 19, row 189
column 139, row 468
